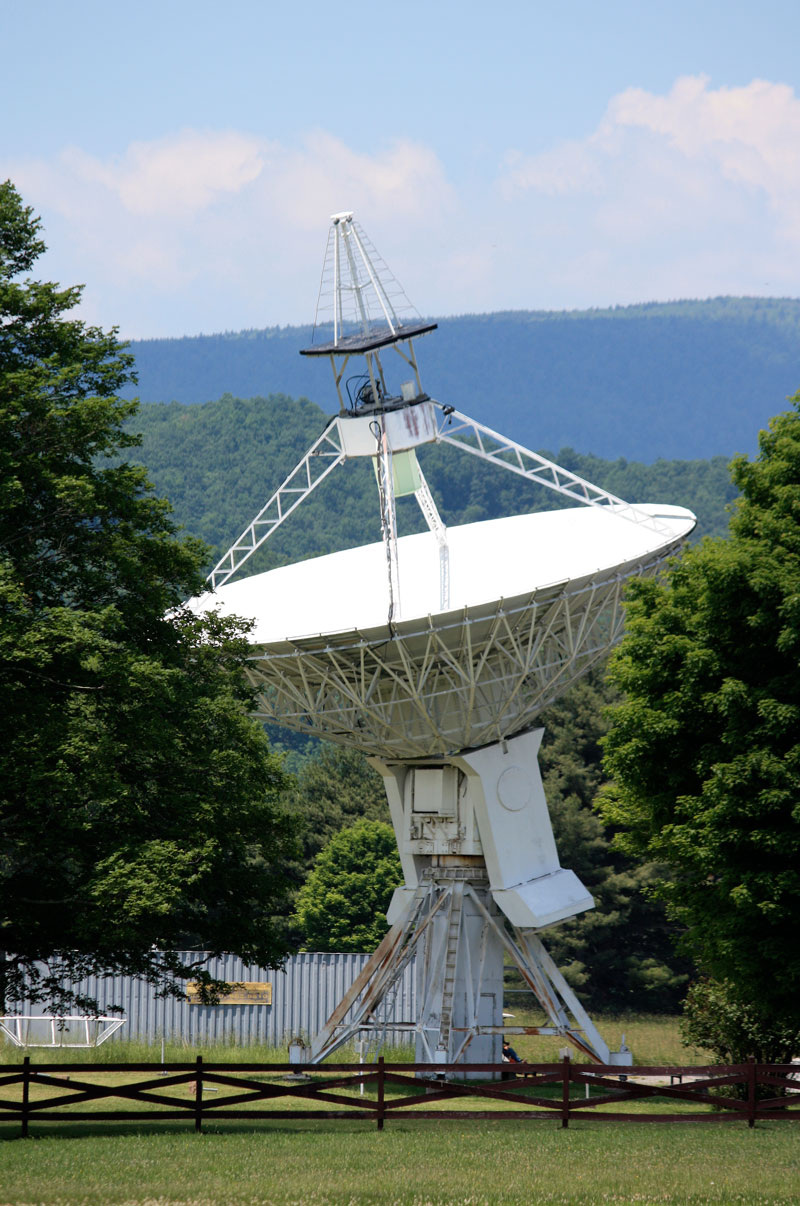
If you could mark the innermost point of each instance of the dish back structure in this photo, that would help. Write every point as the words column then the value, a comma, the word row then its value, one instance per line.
column 441, row 672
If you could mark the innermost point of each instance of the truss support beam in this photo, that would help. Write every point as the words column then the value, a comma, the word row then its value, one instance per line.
column 457, row 1016
column 471, row 436
column 332, row 449
column 457, row 684
column 322, row 457
column 59, row 1031
column 358, row 1010
column 435, row 524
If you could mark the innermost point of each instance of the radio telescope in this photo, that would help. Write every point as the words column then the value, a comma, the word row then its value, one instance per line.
column 433, row 654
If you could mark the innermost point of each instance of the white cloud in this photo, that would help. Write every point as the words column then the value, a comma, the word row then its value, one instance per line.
column 748, row 135
column 235, row 220
column 174, row 176
column 324, row 175
column 702, row 183
column 569, row 168
column 688, row 194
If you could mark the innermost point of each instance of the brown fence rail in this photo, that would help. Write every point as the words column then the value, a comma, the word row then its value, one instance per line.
column 197, row 1092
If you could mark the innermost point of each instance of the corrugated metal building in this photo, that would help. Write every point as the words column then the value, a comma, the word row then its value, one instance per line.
column 303, row 995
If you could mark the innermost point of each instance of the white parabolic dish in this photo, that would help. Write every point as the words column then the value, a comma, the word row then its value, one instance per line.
column 535, row 602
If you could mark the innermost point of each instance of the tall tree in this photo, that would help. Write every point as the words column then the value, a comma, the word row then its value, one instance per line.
column 621, row 954
column 137, row 798
column 342, row 905
column 705, row 748
column 335, row 787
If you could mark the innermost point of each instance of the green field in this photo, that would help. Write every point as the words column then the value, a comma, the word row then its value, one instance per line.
column 415, row 1163
column 652, row 1039
column 411, row 1161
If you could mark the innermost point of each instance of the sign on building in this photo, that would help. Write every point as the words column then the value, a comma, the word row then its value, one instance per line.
column 245, row 992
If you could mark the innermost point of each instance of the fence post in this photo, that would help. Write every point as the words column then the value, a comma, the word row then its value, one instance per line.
column 26, row 1091
column 381, row 1100
column 751, row 1091
column 198, row 1095
column 565, row 1066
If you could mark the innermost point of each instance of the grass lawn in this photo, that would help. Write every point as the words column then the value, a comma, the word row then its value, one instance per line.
column 415, row 1163
column 411, row 1161
column 653, row 1039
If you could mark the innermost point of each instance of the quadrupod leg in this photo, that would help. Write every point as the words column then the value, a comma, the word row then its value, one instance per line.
column 460, row 982
column 363, row 1008
column 566, row 1016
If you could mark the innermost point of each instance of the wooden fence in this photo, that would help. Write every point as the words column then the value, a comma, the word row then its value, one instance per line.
column 196, row 1092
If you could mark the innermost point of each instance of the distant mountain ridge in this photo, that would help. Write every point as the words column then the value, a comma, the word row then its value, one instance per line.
column 673, row 380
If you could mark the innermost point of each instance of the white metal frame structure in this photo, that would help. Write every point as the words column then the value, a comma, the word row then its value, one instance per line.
column 322, row 457
column 471, row 436
column 445, row 703
column 450, row 1026
column 17, row 1028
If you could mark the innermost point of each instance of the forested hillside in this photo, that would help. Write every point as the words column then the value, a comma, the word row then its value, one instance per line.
column 218, row 463
column 680, row 380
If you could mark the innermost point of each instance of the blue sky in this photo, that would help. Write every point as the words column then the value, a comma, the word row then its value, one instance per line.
column 185, row 156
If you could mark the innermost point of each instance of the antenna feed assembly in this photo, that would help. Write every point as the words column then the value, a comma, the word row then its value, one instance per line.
column 362, row 310
column 363, row 397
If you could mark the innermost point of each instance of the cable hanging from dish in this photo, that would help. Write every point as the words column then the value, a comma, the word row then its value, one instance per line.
column 383, row 464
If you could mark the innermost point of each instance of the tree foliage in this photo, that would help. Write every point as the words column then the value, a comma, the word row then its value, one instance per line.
column 716, row 1018
column 705, row 748
column 621, row 954
column 335, row 787
column 342, row 904
column 137, row 799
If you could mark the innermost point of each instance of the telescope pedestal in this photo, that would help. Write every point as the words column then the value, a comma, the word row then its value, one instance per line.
column 460, row 968
column 481, row 878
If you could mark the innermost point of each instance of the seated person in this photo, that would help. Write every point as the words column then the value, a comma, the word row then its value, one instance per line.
column 509, row 1054
column 509, row 1057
